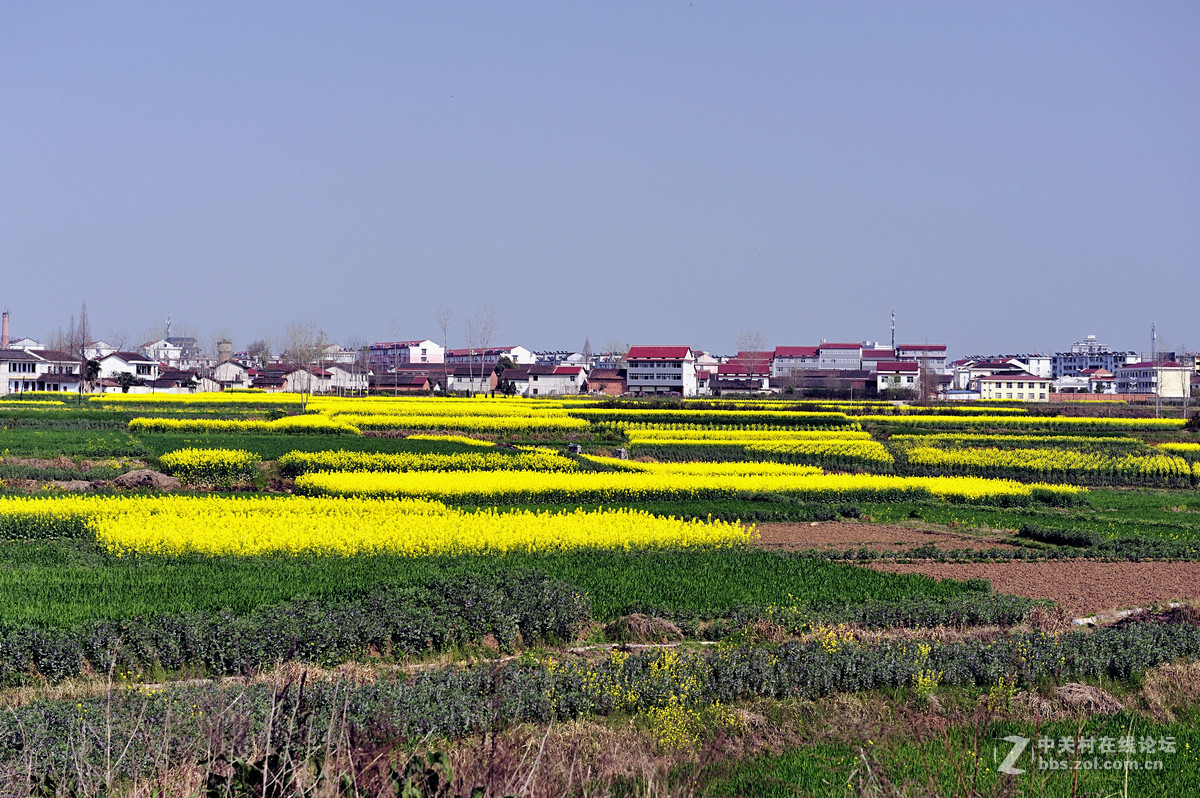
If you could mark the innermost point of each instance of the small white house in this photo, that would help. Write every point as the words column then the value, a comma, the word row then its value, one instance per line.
column 98, row 349
column 551, row 380
column 897, row 376
column 347, row 378
column 232, row 374
column 132, row 363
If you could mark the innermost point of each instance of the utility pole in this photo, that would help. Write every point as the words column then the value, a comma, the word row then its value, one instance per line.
column 1155, row 371
column 893, row 333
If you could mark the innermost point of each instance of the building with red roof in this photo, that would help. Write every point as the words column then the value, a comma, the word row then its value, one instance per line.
column 661, row 370
column 1166, row 379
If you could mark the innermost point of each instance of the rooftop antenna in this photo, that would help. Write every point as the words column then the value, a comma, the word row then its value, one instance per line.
column 893, row 333
column 168, row 324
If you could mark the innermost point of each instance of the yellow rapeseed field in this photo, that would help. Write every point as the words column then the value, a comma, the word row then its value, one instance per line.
column 212, row 525
column 616, row 487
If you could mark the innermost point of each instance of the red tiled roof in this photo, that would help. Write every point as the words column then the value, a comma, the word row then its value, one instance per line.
column 898, row 367
column 389, row 344
column 828, row 345
column 1148, row 364
column 567, row 369
column 926, row 347
column 1023, row 376
column 659, row 352
column 878, row 354
column 755, row 355
column 797, row 351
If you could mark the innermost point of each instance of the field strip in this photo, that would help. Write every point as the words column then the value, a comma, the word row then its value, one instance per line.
column 884, row 538
column 1081, row 587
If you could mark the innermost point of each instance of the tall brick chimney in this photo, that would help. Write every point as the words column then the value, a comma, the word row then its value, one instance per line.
column 4, row 332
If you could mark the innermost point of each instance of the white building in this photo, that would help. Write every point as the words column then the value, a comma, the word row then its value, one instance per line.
column 519, row 355
column 469, row 378
column 347, row 378
column 161, row 351
column 132, row 363
column 385, row 354
column 789, row 361
column 1020, row 387
column 19, row 371
column 232, row 374
column 931, row 356
column 896, row 376
column 840, row 357
column 98, row 349
column 661, row 369
column 555, row 380
column 1169, row 379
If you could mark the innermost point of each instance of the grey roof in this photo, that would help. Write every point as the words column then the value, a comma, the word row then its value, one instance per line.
column 13, row 355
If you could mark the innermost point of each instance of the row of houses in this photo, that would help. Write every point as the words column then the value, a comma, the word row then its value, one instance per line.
column 867, row 368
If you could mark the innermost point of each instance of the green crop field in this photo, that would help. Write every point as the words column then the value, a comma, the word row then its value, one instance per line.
column 671, row 648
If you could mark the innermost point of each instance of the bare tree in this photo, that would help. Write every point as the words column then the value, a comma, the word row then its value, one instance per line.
column 259, row 351
column 304, row 345
column 117, row 338
column 60, row 340
column 79, row 345
column 442, row 317
column 482, row 328
column 362, row 356
column 750, row 341
column 617, row 351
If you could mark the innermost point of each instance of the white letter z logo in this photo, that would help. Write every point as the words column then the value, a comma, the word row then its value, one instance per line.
column 1019, row 744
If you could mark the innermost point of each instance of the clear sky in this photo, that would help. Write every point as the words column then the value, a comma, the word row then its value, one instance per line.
column 1006, row 176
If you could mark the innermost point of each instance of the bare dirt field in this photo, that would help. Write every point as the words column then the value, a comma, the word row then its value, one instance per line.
column 884, row 538
column 1082, row 587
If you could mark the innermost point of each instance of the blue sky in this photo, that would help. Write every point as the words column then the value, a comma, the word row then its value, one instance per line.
column 1005, row 176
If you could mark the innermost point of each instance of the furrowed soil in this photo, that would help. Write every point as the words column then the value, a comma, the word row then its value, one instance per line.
column 1080, row 586
column 884, row 538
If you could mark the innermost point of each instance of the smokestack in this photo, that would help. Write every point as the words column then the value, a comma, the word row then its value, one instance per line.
column 4, row 332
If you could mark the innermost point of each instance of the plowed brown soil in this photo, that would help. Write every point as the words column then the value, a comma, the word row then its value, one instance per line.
column 1082, row 587
column 842, row 535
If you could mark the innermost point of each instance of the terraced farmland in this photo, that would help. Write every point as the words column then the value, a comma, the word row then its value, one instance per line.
column 357, row 585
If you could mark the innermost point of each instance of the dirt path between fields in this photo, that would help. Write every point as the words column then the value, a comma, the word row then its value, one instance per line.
column 1082, row 587
column 884, row 538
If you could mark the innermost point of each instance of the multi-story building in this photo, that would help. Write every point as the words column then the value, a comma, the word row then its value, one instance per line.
column 519, row 355
column 790, row 360
column 386, row 355
column 1166, row 379
column 133, row 363
column 661, row 369
column 931, row 357
column 840, row 357
column 1089, row 354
